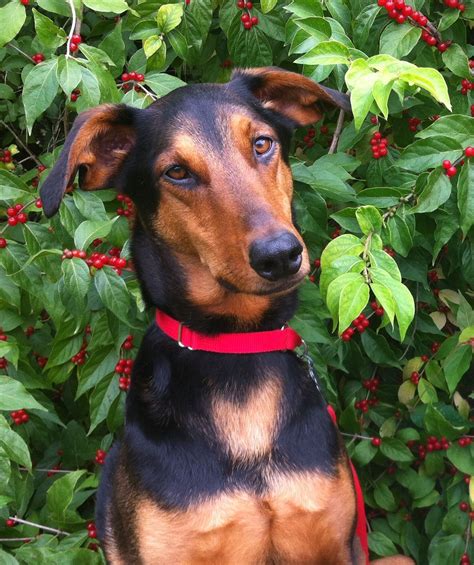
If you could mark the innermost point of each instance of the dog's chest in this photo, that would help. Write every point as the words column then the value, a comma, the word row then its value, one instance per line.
column 298, row 519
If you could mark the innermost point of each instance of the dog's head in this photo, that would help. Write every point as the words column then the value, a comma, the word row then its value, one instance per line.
column 207, row 169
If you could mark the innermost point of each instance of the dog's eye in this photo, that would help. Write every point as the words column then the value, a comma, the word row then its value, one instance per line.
column 262, row 145
column 177, row 173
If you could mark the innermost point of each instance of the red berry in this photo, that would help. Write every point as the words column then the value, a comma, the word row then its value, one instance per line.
column 400, row 19
column 25, row 2
column 407, row 11
column 3, row 243
column 76, row 38
column 12, row 221
column 379, row 311
column 442, row 47
column 22, row 218
column 254, row 20
column 422, row 20
column 469, row 151
column 376, row 441
column 425, row 358
column 9, row 523
column 249, row 5
column 431, row 41
column 245, row 17
column 446, row 164
column 463, row 506
column 451, row 171
column 241, row 4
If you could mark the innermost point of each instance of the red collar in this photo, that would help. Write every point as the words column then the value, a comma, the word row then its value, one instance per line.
column 250, row 342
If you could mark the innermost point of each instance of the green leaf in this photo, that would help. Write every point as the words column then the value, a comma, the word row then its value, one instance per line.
column 326, row 53
column 437, row 190
column 151, row 45
column 69, row 74
column 429, row 79
column 456, row 60
column 364, row 453
column 428, row 153
column 381, row 545
column 382, row 260
column 12, row 18
column 60, row 496
column 437, row 424
column 466, row 195
column 456, row 365
column 268, row 5
column 445, row 549
column 384, row 498
column 49, row 34
column 454, row 126
column 114, row 46
column 101, row 400
column 162, row 83
column 11, row 187
column 396, row 450
column 14, row 446
column 169, row 16
column 378, row 349
column 39, row 91
column 385, row 299
column 370, row 219
column 114, row 6
column 90, row 230
column 14, row 396
column 76, row 276
column 399, row 40
column 462, row 458
column 360, row 80
column 113, row 292
column 401, row 237
column 353, row 299
column 427, row 392
column 341, row 246
column 334, row 292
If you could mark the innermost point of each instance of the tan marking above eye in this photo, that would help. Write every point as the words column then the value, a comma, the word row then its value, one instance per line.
column 262, row 145
column 176, row 172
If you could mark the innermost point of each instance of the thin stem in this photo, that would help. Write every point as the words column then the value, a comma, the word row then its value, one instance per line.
column 358, row 436
column 34, row 524
column 147, row 92
column 337, row 132
column 365, row 256
column 49, row 470
column 20, row 142
column 73, row 28
column 2, row 540
column 21, row 52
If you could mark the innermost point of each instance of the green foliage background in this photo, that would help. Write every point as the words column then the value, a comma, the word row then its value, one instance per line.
column 396, row 229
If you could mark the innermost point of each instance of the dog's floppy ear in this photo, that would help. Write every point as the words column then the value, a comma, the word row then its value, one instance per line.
column 97, row 146
column 291, row 94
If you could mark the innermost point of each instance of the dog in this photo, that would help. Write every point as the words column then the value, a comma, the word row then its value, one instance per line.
column 226, row 458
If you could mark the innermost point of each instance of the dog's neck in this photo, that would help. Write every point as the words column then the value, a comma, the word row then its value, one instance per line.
column 185, row 289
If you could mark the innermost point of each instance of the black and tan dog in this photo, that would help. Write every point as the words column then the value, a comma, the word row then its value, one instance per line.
column 225, row 459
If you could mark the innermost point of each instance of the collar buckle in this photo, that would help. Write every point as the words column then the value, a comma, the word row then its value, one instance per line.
column 180, row 335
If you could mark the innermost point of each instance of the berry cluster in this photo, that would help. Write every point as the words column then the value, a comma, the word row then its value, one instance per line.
column 364, row 405
column 38, row 58
column 308, row 138
column 5, row 156
column 247, row 19
column 378, row 145
column 372, row 384
column 464, row 441
column 20, row 417
column 435, row 346
column 76, row 40
column 16, row 216
column 413, row 124
column 415, row 377
column 431, row 40
column 397, row 10
column 91, row 530
column 124, row 369
column 454, row 4
column 98, row 260
column 3, row 243
column 80, row 357
column 40, row 360
column 75, row 94
column 435, row 444
column 128, row 343
column 130, row 79
column 100, row 455
column 35, row 181
column 336, row 232
column 127, row 209
column 378, row 310
column 466, row 86
column 54, row 469
column 360, row 324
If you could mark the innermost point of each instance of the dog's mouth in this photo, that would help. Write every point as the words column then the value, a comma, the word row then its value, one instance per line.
column 285, row 286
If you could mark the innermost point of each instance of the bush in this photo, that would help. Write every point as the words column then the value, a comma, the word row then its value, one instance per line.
column 387, row 311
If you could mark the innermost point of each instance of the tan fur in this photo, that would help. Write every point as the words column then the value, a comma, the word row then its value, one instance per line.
column 296, row 521
column 247, row 430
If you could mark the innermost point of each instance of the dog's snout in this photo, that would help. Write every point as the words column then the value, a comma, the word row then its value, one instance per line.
column 277, row 256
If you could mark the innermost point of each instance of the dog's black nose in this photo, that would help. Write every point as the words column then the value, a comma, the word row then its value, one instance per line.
column 277, row 256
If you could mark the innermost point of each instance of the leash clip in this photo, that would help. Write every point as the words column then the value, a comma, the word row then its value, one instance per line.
column 180, row 335
column 306, row 358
